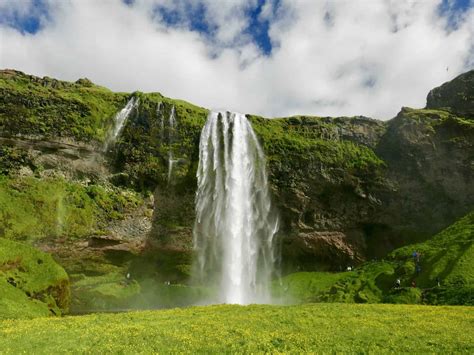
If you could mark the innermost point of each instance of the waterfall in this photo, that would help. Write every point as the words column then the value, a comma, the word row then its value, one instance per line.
column 119, row 121
column 235, row 224
column 159, row 114
column 171, row 128
column 60, row 215
column 172, row 120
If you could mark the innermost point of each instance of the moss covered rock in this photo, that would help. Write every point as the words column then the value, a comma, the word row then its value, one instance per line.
column 456, row 95
column 437, row 271
column 31, row 282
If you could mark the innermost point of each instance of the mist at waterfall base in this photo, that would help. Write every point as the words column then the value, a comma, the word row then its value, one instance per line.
column 235, row 226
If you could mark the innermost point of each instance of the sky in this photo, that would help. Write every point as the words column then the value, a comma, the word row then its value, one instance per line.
column 269, row 57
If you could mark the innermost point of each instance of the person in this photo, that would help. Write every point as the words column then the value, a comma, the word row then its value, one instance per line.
column 128, row 278
column 398, row 283
column 438, row 281
column 418, row 268
column 413, row 284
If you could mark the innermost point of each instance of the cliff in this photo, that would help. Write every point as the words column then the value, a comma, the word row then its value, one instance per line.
column 347, row 189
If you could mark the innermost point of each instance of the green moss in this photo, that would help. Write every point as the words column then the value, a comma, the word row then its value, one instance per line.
column 366, row 284
column 31, row 283
column 111, row 291
column 53, row 109
column 300, row 144
column 12, row 158
column 407, row 295
column 143, row 149
column 14, row 303
column 32, row 208
column 437, row 119
column 304, row 286
column 448, row 257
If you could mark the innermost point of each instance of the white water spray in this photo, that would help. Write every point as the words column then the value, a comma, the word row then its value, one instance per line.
column 171, row 129
column 119, row 121
column 159, row 114
column 235, row 226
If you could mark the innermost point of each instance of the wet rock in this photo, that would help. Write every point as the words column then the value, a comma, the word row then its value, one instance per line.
column 325, row 250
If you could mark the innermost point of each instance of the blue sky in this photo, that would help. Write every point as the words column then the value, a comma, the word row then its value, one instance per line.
column 193, row 18
column 278, row 56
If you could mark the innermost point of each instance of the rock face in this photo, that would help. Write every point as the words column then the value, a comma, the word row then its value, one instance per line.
column 456, row 96
column 347, row 188
column 430, row 159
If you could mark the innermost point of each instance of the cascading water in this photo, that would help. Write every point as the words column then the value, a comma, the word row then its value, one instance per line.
column 159, row 114
column 235, row 225
column 171, row 129
column 119, row 121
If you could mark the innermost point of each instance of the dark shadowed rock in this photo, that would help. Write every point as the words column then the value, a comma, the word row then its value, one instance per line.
column 456, row 95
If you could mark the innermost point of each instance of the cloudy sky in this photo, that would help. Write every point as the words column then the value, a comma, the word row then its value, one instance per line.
column 270, row 57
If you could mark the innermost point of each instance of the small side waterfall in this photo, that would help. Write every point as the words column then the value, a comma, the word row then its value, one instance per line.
column 171, row 129
column 235, row 225
column 159, row 114
column 60, row 215
column 119, row 121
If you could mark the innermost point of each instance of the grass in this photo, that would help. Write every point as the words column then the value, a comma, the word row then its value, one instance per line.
column 448, row 256
column 31, row 283
column 303, row 287
column 32, row 208
column 113, row 292
column 52, row 108
column 104, row 292
column 438, row 119
column 250, row 329
column 310, row 139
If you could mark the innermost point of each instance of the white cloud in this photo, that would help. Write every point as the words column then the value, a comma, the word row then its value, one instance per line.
column 330, row 58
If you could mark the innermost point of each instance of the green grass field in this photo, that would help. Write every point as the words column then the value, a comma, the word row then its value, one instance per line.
column 257, row 328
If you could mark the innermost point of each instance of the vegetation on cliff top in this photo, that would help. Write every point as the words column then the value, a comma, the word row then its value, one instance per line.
column 32, row 284
column 317, row 328
column 49, row 108
column 456, row 96
column 312, row 139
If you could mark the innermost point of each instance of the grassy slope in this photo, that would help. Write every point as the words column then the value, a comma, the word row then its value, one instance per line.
column 31, row 283
column 33, row 208
column 227, row 328
column 449, row 256
column 304, row 286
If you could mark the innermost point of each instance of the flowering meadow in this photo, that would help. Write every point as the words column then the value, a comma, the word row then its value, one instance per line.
column 327, row 327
